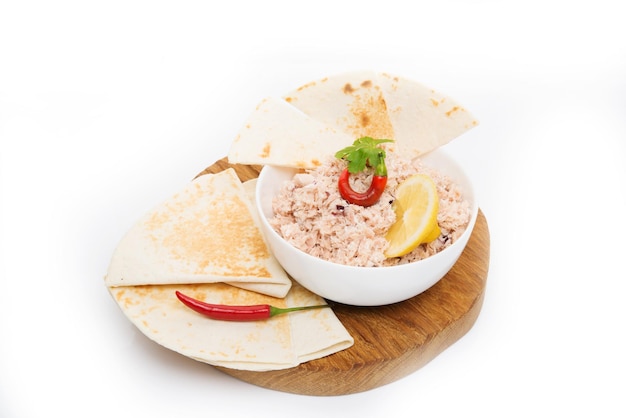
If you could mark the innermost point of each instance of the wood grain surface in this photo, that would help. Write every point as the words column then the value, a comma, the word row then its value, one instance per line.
column 393, row 341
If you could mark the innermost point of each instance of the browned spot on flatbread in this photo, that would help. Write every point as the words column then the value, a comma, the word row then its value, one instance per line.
column 266, row 151
column 371, row 116
column 303, row 165
column 290, row 99
column 348, row 89
column 307, row 85
column 395, row 81
column 127, row 297
column 219, row 237
column 224, row 244
column 453, row 110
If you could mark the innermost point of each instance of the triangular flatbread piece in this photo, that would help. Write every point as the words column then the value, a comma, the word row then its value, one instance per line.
column 319, row 118
column 278, row 343
column 351, row 102
column 277, row 133
column 206, row 233
column 422, row 118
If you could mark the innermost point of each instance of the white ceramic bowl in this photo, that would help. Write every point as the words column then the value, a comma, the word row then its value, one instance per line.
column 363, row 286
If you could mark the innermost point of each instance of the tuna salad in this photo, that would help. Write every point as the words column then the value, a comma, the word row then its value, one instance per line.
column 311, row 215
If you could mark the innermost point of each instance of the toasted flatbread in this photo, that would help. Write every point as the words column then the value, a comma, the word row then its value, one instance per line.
column 319, row 118
column 352, row 102
column 188, row 244
column 277, row 133
column 278, row 343
column 206, row 233
column 422, row 118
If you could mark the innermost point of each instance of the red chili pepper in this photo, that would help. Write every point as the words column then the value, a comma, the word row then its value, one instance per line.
column 372, row 194
column 238, row 313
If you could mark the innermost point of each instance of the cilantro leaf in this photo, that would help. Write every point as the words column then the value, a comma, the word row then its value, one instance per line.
column 363, row 152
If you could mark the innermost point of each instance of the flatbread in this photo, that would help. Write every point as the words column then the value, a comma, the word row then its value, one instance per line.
column 277, row 133
column 281, row 342
column 165, row 251
column 422, row 118
column 352, row 102
column 317, row 119
column 206, row 233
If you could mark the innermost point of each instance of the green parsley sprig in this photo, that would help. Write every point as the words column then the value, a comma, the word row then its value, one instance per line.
column 362, row 153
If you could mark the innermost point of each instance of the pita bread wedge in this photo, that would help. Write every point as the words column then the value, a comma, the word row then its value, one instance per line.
column 321, row 117
column 277, row 133
column 146, row 255
column 206, row 233
column 281, row 342
column 351, row 102
column 422, row 118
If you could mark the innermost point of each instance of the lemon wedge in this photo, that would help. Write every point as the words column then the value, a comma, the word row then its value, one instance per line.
column 416, row 206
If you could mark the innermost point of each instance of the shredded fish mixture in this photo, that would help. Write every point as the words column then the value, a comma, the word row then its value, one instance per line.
column 311, row 215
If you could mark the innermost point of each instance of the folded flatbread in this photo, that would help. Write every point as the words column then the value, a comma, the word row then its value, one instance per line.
column 362, row 103
column 205, row 243
column 321, row 117
column 422, row 118
column 352, row 102
column 206, row 233
column 281, row 342
column 277, row 133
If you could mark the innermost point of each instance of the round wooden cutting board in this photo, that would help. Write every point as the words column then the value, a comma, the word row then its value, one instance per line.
column 390, row 341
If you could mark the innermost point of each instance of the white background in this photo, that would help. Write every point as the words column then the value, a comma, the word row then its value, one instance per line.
column 108, row 107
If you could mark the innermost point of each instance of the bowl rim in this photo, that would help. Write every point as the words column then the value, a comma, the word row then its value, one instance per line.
column 441, row 254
